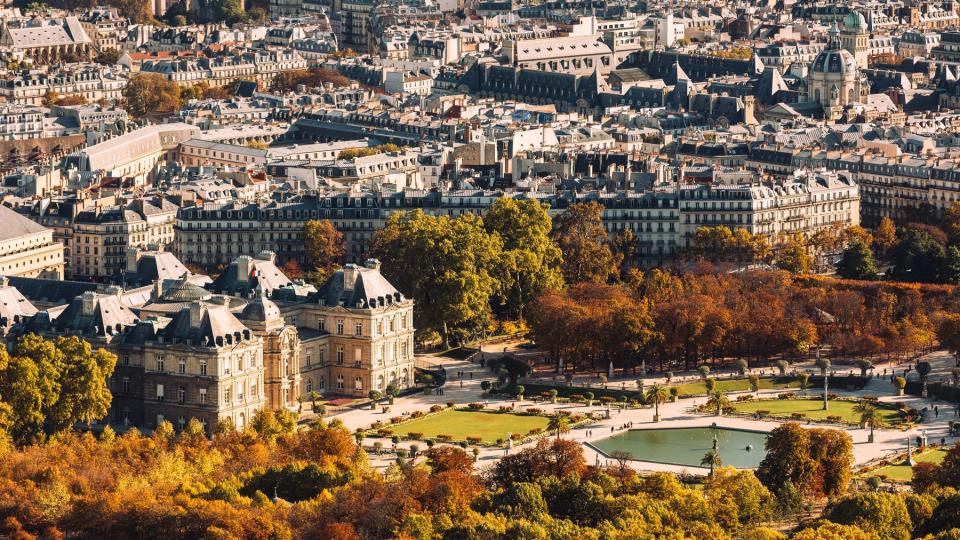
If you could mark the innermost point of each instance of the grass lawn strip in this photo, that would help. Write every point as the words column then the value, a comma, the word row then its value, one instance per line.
column 903, row 473
column 813, row 409
column 737, row 385
column 460, row 424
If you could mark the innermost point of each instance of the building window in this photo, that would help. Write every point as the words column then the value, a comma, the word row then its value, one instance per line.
column 182, row 423
column 309, row 387
column 322, row 324
column 239, row 391
column 358, row 329
column 203, row 367
column 159, row 362
column 253, row 390
column 181, row 366
column 358, row 383
column 126, row 385
column 339, row 356
column 226, row 395
column 203, row 396
column 321, row 356
column 181, row 394
column 323, row 383
column 159, row 392
column 309, row 358
column 339, row 382
column 340, row 327
column 126, row 359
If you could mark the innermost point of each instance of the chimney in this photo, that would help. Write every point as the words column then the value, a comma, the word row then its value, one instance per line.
column 196, row 314
column 133, row 256
column 89, row 300
column 157, row 290
column 373, row 264
column 244, row 266
column 350, row 272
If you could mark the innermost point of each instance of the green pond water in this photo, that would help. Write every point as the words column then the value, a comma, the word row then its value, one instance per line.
column 686, row 446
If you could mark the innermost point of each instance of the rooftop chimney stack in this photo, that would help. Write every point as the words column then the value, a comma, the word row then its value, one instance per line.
column 89, row 299
column 350, row 272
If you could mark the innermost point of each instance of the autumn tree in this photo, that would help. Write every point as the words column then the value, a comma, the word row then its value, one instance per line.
column 788, row 459
column 883, row 513
column 948, row 334
column 793, row 255
column 583, row 240
column 530, row 261
column 324, row 247
column 151, row 93
column 740, row 500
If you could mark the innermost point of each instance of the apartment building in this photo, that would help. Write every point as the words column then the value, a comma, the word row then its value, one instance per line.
column 96, row 234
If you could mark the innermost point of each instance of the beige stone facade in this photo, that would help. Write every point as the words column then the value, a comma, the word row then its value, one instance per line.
column 27, row 249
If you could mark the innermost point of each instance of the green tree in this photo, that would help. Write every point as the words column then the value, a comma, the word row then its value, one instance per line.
column 917, row 257
column 52, row 385
column 583, row 240
column 717, row 401
column 869, row 416
column 151, row 93
column 857, row 262
column 711, row 459
column 883, row 513
column 324, row 246
column 107, row 57
column 559, row 424
column 446, row 265
column 530, row 261
column 229, row 11
column 657, row 394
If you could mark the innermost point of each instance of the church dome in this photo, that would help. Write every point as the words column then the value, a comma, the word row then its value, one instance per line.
column 854, row 21
column 260, row 309
column 833, row 59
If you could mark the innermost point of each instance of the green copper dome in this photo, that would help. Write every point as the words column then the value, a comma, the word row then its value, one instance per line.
column 854, row 21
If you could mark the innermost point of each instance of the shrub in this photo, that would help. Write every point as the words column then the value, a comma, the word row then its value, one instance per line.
column 763, row 412
column 396, row 420
column 576, row 398
column 444, row 437
column 534, row 410
column 384, row 432
column 475, row 406
column 798, row 415
column 436, row 408
column 786, row 395
column 450, row 404
column 607, row 399
column 500, row 441
column 744, row 398
column 516, row 436
column 535, row 431
column 474, row 440
column 503, row 409
column 416, row 414
column 415, row 435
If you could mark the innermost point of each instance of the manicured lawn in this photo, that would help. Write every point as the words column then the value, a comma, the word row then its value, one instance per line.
column 813, row 409
column 903, row 473
column 737, row 385
column 460, row 424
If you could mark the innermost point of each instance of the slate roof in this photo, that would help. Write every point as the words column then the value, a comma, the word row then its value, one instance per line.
column 15, row 225
column 368, row 290
column 13, row 306
column 108, row 315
